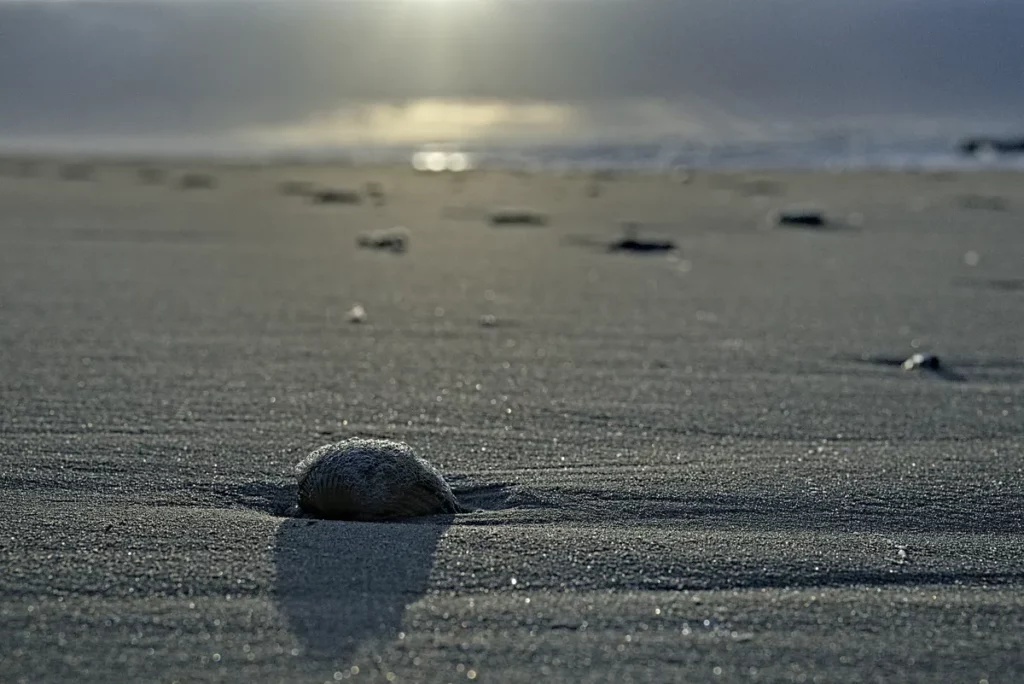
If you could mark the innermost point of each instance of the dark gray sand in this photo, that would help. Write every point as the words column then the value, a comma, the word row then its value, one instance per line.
column 687, row 467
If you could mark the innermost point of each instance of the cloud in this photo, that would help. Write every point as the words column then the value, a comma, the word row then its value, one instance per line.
column 185, row 66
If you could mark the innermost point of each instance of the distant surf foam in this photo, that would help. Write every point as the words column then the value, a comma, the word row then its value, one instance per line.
column 826, row 151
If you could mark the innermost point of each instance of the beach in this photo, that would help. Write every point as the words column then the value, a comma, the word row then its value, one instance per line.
column 703, row 463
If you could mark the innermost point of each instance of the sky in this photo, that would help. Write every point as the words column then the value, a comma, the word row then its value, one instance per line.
column 309, row 71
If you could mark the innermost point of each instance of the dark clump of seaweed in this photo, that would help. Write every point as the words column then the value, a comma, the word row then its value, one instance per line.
column 518, row 217
column 631, row 241
column 336, row 196
column 386, row 239
column 801, row 218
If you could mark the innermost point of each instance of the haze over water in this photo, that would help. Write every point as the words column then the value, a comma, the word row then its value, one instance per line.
column 693, row 80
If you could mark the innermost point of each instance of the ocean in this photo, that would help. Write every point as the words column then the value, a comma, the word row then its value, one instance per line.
column 824, row 151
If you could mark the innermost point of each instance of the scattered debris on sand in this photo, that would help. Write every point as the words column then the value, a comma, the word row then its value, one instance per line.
column 371, row 479
column 518, row 217
column 632, row 242
column 928, row 365
column 800, row 217
column 641, row 245
column 902, row 557
column 336, row 196
column 388, row 239
column 357, row 314
column 922, row 361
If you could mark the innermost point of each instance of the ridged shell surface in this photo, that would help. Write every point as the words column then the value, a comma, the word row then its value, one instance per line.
column 371, row 479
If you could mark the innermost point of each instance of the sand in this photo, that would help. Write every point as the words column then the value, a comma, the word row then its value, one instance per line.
column 705, row 465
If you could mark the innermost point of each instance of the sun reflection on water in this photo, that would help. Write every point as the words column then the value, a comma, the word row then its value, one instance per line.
column 440, row 158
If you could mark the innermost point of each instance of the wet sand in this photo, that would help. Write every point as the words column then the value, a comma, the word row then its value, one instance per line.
column 698, row 465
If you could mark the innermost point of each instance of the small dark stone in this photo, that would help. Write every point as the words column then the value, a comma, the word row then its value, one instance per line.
column 800, row 217
column 336, row 196
column 520, row 217
column 641, row 245
column 632, row 242
column 393, row 240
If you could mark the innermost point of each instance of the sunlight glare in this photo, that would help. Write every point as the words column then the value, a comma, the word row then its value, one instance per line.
column 439, row 160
